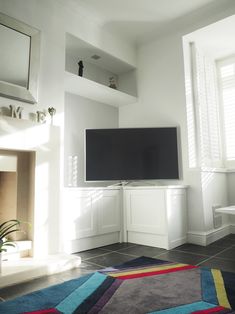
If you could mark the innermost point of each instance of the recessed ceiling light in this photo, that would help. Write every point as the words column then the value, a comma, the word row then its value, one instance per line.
column 95, row 57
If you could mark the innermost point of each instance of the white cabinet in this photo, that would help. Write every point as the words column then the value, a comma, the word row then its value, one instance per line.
column 91, row 218
column 155, row 216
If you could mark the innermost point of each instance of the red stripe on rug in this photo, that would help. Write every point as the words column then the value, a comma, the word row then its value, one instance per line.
column 160, row 272
column 48, row 311
column 213, row 310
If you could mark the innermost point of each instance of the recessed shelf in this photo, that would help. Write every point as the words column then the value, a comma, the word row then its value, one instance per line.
column 78, row 49
column 90, row 89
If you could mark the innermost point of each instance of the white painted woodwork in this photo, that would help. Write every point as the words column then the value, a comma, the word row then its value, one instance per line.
column 144, row 211
column 109, row 212
column 8, row 163
column 226, row 210
column 155, row 217
column 84, row 215
column 89, row 89
column 91, row 218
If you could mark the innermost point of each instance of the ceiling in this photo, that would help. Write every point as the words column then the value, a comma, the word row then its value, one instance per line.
column 220, row 46
column 135, row 19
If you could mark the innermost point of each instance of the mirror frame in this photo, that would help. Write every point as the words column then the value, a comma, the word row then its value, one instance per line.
column 29, row 94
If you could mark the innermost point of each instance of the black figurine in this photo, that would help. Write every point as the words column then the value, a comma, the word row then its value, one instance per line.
column 80, row 69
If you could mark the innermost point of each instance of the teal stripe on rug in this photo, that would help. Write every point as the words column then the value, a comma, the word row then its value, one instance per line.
column 208, row 286
column 69, row 305
column 188, row 308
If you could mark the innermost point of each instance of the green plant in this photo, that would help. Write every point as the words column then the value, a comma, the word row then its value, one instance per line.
column 7, row 228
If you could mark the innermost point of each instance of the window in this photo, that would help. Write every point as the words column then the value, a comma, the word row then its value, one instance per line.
column 226, row 75
column 206, row 109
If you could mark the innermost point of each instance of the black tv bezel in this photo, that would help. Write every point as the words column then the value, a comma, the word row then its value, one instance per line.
column 137, row 180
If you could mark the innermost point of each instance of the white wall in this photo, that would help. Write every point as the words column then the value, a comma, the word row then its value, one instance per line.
column 231, row 192
column 161, row 89
column 214, row 192
column 80, row 114
column 54, row 18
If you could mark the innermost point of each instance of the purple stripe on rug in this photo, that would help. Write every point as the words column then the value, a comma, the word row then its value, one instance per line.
column 106, row 297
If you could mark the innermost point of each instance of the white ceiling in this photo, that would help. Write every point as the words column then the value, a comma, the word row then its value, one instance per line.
column 134, row 19
column 217, row 40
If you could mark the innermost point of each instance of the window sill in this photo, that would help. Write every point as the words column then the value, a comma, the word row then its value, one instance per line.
column 213, row 169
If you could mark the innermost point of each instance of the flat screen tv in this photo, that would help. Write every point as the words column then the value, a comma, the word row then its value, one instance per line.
column 131, row 154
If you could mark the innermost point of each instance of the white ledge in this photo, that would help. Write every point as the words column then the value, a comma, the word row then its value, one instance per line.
column 92, row 90
column 25, row 269
column 226, row 210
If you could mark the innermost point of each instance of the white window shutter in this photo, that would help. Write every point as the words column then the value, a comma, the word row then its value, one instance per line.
column 207, row 109
column 226, row 72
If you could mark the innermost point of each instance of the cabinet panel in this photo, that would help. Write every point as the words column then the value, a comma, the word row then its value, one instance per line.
column 80, row 215
column 146, row 211
column 177, row 220
column 90, row 213
column 109, row 212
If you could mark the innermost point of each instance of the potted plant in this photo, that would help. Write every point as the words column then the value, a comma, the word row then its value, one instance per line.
column 7, row 228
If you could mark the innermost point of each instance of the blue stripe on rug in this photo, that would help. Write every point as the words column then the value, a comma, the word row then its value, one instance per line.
column 69, row 305
column 187, row 308
column 208, row 286
column 42, row 299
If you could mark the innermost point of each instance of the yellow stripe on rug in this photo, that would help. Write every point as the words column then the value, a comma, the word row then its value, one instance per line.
column 220, row 289
column 142, row 271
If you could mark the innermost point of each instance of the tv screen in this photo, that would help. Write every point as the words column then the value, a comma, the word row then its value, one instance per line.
column 131, row 154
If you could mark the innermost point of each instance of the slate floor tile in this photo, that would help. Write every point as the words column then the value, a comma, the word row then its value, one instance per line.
column 218, row 263
column 90, row 253
column 142, row 250
column 182, row 257
column 228, row 254
column 201, row 250
column 117, row 246
column 110, row 259
column 28, row 287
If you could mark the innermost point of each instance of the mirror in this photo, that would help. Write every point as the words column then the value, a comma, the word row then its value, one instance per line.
column 19, row 60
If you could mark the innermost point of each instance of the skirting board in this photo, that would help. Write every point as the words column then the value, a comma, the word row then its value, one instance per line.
column 79, row 245
column 205, row 238
column 232, row 228
column 154, row 240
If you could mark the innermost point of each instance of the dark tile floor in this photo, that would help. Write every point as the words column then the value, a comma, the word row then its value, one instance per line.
column 220, row 254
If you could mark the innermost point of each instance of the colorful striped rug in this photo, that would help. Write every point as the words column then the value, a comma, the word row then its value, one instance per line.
column 143, row 285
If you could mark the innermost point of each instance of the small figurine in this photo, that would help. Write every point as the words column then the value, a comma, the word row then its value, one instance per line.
column 112, row 83
column 52, row 112
column 80, row 69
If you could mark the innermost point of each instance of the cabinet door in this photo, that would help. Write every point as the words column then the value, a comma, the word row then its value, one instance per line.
column 176, row 213
column 80, row 214
column 109, row 212
column 145, row 211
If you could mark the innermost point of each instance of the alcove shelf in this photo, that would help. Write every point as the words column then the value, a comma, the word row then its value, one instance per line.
column 90, row 89
column 99, row 69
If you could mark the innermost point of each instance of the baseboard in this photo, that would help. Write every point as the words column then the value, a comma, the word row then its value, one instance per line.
column 205, row 238
column 174, row 243
column 232, row 228
column 79, row 245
